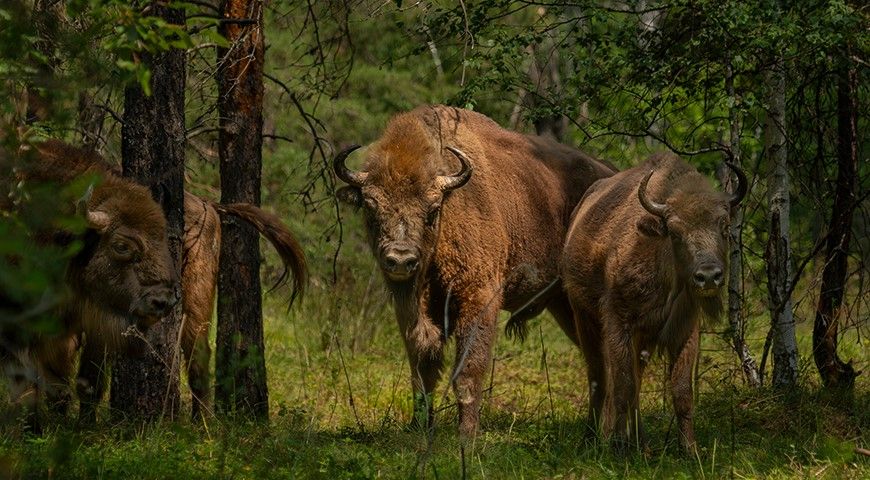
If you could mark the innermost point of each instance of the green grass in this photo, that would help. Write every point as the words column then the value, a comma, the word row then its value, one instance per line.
column 531, row 422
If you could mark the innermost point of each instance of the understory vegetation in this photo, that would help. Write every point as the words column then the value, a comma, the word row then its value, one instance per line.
column 338, row 378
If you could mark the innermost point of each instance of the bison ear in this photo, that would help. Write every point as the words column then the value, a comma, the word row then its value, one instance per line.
column 652, row 226
column 350, row 195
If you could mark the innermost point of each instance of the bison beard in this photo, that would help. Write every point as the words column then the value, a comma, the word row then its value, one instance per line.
column 641, row 276
column 103, row 325
column 456, row 247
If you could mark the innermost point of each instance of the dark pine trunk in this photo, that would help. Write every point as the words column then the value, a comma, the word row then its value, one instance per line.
column 834, row 372
column 240, row 360
column 152, row 148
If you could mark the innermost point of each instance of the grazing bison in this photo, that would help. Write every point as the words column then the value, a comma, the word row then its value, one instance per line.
column 465, row 219
column 103, row 327
column 640, row 276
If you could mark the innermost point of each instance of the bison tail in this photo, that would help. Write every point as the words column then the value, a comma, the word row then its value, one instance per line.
column 271, row 227
column 517, row 326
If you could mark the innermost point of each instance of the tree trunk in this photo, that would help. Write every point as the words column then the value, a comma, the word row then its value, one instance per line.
column 240, row 360
column 152, row 149
column 778, row 254
column 47, row 18
column 735, row 271
column 834, row 372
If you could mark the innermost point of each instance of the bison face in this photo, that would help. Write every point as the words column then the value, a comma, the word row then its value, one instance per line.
column 696, row 223
column 126, row 266
column 698, row 233
column 402, row 214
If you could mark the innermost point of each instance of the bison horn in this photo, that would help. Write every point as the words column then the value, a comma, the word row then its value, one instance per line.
column 657, row 209
column 357, row 179
column 451, row 182
column 98, row 220
column 742, row 185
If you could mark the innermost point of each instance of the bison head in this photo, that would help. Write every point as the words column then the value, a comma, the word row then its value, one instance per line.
column 696, row 220
column 401, row 210
column 125, row 266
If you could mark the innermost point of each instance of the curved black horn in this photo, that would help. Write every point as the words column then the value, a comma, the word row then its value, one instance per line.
column 650, row 206
column 742, row 185
column 357, row 179
column 450, row 182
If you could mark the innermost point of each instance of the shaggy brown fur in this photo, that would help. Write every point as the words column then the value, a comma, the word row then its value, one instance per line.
column 124, row 267
column 488, row 245
column 103, row 328
column 637, row 283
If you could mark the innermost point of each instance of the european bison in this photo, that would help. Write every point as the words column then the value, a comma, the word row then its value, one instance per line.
column 124, row 267
column 644, row 262
column 103, row 327
column 455, row 247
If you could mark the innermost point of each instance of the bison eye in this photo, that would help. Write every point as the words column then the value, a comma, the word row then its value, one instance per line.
column 370, row 204
column 432, row 216
column 123, row 250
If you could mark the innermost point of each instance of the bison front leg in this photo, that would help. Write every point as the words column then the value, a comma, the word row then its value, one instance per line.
column 56, row 359
column 92, row 377
column 425, row 372
column 475, row 335
column 682, row 364
column 589, row 334
column 621, row 414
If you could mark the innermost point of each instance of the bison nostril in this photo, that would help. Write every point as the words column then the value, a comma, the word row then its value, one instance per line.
column 717, row 276
column 390, row 263
column 700, row 279
column 158, row 304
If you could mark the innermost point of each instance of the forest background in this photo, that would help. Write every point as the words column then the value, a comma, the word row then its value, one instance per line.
column 777, row 86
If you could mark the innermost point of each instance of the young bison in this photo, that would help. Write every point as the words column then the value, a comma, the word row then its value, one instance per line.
column 644, row 262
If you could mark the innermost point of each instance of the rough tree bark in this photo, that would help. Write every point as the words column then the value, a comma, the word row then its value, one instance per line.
column 834, row 372
column 735, row 271
column 152, row 149
column 240, row 360
column 47, row 17
column 778, row 254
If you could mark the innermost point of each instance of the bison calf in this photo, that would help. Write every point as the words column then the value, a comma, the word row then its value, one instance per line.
column 643, row 263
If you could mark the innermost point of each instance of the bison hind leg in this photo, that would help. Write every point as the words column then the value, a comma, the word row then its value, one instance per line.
column 199, row 377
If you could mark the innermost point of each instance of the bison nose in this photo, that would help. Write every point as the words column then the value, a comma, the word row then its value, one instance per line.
column 162, row 300
column 708, row 276
column 401, row 261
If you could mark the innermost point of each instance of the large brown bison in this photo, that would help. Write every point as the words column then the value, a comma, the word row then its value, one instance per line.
column 124, row 267
column 103, row 328
column 644, row 262
column 465, row 219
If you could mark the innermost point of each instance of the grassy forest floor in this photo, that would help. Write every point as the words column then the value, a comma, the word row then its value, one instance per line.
column 338, row 410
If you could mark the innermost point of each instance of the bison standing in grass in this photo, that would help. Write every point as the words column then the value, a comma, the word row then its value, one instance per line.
column 123, row 257
column 644, row 262
column 465, row 219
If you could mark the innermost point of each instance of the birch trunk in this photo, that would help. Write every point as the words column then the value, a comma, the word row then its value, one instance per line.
column 736, row 325
column 778, row 254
